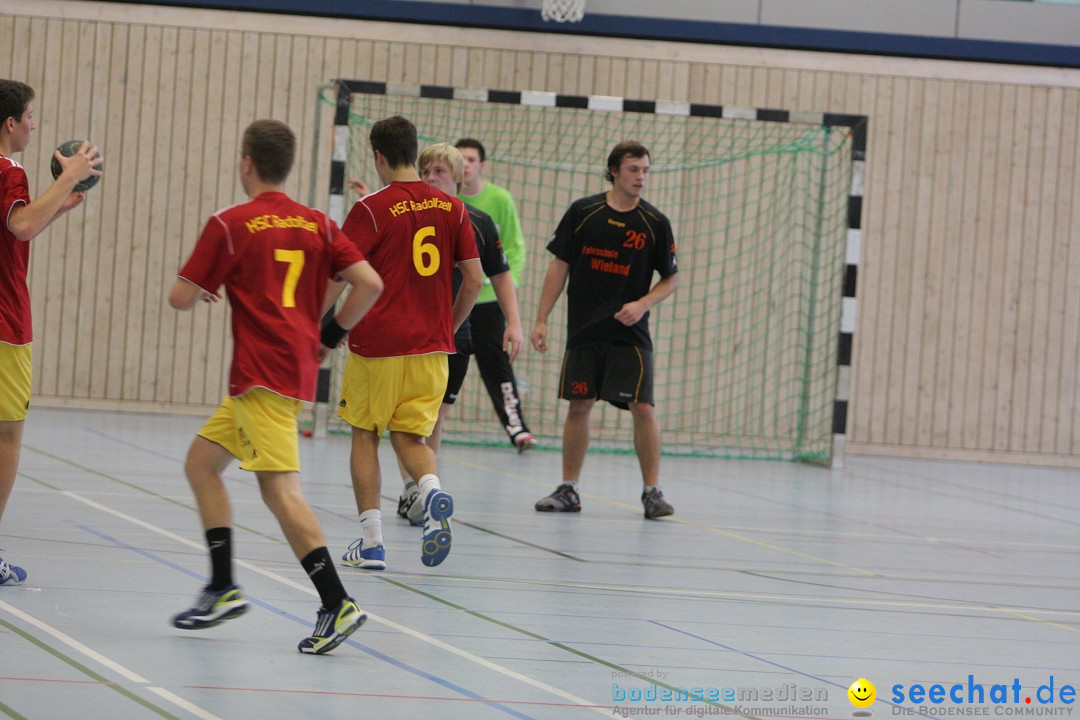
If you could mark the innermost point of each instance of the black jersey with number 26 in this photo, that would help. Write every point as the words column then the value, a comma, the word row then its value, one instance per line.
column 612, row 256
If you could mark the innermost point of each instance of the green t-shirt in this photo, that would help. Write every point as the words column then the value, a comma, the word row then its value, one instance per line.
column 499, row 204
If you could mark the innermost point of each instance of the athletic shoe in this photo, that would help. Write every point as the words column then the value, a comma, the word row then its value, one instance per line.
column 564, row 499
column 409, row 508
column 358, row 556
column 655, row 504
column 213, row 608
column 524, row 441
column 438, row 507
column 11, row 574
column 332, row 627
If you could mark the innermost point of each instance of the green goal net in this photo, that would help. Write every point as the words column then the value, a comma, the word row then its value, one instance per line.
column 746, row 349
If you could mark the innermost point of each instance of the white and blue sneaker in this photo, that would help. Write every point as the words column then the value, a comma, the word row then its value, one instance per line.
column 332, row 627
column 410, row 508
column 213, row 607
column 370, row 558
column 11, row 574
column 438, row 507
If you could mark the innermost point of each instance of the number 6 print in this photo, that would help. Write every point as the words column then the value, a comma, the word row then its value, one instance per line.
column 425, row 256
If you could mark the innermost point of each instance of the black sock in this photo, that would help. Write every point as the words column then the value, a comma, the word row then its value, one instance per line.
column 320, row 568
column 220, row 542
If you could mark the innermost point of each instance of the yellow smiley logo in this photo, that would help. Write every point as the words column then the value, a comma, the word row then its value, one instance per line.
column 862, row 693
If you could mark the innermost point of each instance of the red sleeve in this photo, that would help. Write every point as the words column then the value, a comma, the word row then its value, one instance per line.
column 343, row 252
column 212, row 259
column 466, row 244
column 360, row 226
column 14, row 189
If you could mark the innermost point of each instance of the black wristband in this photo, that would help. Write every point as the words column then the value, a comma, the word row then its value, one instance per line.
column 332, row 333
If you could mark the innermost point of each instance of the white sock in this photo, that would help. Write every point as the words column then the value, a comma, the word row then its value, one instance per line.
column 371, row 527
column 570, row 482
column 428, row 483
column 650, row 488
column 410, row 488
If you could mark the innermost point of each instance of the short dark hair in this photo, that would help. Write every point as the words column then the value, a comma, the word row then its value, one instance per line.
column 271, row 145
column 625, row 149
column 14, row 97
column 474, row 144
column 395, row 138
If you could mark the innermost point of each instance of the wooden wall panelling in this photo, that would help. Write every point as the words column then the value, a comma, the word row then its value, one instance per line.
column 10, row 56
column 1003, row 297
column 411, row 70
column 143, row 281
column 989, row 285
column 201, row 198
column 297, row 112
column 46, row 264
column 601, row 76
column 183, row 213
column 80, row 284
column 923, row 313
column 247, row 101
column 1032, row 341
column 110, row 136
column 1066, row 403
column 911, row 264
column 138, row 380
column 1042, row 421
column 394, row 58
column 159, row 317
column 177, row 85
column 953, row 121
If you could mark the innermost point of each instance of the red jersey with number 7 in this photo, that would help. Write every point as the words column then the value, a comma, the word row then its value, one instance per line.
column 413, row 235
column 275, row 258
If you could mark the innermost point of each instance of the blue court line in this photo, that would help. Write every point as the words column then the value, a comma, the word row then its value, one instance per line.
column 853, row 657
column 774, row 664
column 307, row 623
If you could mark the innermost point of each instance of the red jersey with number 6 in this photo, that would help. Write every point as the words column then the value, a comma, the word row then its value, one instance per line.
column 275, row 258
column 413, row 235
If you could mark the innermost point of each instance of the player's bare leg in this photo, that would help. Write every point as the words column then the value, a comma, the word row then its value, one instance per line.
column 205, row 463
column 647, row 447
column 367, row 552
column 576, row 436
column 364, row 466
column 281, row 493
column 10, row 445
column 421, row 463
column 647, row 442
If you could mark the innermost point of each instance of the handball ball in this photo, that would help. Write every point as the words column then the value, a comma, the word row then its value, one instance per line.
column 67, row 150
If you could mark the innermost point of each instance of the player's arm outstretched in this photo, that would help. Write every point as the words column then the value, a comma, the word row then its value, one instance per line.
column 554, row 282
column 26, row 221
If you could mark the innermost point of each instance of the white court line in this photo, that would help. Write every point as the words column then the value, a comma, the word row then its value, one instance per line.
column 101, row 659
column 538, row 684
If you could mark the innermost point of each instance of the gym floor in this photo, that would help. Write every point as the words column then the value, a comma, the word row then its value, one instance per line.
column 772, row 589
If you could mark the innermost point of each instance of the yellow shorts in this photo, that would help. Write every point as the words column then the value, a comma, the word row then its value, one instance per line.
column 14, row 382
column 259, row 429
column 400, row 394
